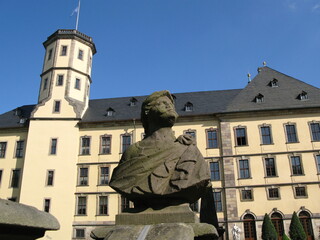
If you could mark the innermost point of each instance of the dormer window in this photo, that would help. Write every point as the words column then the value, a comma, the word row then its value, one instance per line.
column 133, row 102
column 110, row 112
column 259, row 98
column 303, row 96
column 188, row 107
column 273, row 83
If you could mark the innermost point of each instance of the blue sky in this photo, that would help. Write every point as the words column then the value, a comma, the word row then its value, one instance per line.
column 149, row 45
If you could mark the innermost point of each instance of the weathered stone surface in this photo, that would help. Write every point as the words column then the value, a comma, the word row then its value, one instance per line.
column 161, row 170
column 169, row 231
column 171, row 214
column 19, row 221
column 204, row 231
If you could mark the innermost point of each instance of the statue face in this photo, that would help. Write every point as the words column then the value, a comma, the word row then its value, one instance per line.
column 163, row 109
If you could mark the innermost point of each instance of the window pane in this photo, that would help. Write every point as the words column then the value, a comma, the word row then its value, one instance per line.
column 85, row 146
column 315, row 131
column 217, row 201
column 296, row 165
column 270, row 167
column 83, row 176
column 244, row 168
column 212, row 139
column 291, row 134
column 19, row 149
column 3, row 147
column 103, row 205
column 241, row 137
column 126, row 142
column 215, row 171
column 273, row 192
column 82, row 206
column 246, row 194
column 50, row 178
column 104, row 175
column 47, row 205
column 318, row 162
column 15, row 178
column 53, row 149
column 125, row 203
column 105, row 145
column 266, row 135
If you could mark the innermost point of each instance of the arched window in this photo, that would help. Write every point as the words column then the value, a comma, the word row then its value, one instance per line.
column 306, row 223
column 277, row 221
column 249, row 226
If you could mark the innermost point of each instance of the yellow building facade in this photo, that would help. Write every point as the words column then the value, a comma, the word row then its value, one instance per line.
column 262, row 144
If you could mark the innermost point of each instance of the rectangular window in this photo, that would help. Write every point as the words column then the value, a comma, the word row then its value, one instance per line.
column 103, row 205
column 266, row 135
column 50, row 54
column 291, row 133
column 125, row 203
column 15, row 178
column 64, row 50
column 270, row 167
column 214, row 171
column 241, row 136
column 318, row 162
column 217, row 201
column 212, row 138
column 50, row 176
column 273, row 193
column 60, row 80
column 315, row 131
column 19, row 149
column 45, row 84
column 79, row 233
column 53, row 146
column 246, row 195
column 83, row 176
column 46, row 205
column 85, row 146
column 104, row 176
column 105, row 145
column 300, row 191
column 126, row 142
column 77, row 83
column 80, row 54
column 56, row 107
column 296, row 165
column 244, row 168
column 82, row 206
column 3, row 147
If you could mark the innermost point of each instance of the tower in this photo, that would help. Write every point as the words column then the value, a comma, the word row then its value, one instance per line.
column 50, row 167
column 66, row 75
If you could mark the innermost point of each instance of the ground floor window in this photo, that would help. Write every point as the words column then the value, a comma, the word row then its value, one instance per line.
column 249, row 226
column 277, row 221
column 307, row 224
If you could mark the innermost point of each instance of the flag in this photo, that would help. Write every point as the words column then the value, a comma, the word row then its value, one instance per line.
column 75, row 11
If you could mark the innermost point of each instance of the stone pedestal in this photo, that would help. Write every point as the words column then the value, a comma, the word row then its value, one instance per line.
column 174, row 222
column 22, row 222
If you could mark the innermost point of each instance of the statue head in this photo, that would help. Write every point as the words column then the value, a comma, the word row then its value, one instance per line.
column 158, row 111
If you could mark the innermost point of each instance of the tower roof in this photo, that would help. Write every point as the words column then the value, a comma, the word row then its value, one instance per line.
column 71, row 34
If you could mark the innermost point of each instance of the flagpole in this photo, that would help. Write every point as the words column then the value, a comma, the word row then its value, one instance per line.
column 78, row 13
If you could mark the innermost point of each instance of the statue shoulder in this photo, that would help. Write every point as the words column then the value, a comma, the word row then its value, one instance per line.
column 132, row 151
column 186, row 139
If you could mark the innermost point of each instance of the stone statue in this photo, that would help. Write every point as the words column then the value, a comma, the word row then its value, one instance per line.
column 161, row 170
column 236, row 232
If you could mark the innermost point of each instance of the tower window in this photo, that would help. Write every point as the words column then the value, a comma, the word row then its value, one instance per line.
column 77, row 83
column 50, row 176
column 53, row 146
column 80, row 54
column 46, row 205
column 56, row 108
column 50, row 54
column 60, row 80
column 45, row 84
column 64, row 50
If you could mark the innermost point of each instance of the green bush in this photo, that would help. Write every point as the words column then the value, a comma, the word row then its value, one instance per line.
column 285, row 237
column 296, row 231
column 268, row 230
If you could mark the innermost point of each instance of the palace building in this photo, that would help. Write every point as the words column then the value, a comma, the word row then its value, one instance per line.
column 262, row 144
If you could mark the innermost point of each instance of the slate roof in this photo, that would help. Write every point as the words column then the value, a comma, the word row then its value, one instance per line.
column 284, row 96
